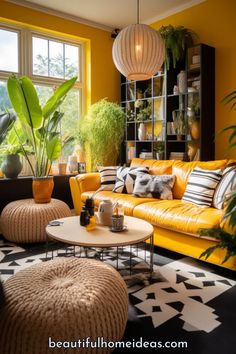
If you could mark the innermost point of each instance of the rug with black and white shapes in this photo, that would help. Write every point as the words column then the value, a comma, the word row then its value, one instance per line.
column 184, row 300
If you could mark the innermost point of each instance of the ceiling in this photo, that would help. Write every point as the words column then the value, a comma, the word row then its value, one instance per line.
column 110, row 14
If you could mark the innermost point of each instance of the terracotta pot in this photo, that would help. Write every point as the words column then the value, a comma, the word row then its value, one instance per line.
column 42, row 189
column 62, row 168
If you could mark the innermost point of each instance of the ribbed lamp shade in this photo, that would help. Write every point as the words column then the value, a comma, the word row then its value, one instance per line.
column 138, row 52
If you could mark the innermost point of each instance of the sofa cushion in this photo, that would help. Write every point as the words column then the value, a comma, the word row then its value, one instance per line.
column 128, row 201
column 201, row 186
column 226, row 186
column 108, row 177
column 182, row 170
column 154, row 186
column 125, row 179
column 178, row 215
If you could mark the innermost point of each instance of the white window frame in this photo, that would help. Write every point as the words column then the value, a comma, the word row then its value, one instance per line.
column 25, row 59
column 5, row 74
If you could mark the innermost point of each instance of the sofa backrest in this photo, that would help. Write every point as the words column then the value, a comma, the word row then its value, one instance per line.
column 156, row 167
column 180, row 169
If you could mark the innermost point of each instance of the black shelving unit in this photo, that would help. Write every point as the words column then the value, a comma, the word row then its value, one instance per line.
column 152, row 103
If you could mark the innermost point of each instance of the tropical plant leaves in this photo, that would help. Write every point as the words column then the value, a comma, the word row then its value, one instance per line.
column 53, row 149
column 226, row 241
column 32, row 101
column 6, row 122
column 55, row 100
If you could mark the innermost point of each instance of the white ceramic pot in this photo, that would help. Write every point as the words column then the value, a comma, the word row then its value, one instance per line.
column 142, row 131
column 105, row 211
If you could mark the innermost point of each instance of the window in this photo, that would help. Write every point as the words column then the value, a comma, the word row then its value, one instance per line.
column 55, row 59
column 48, row 61
column 9, row 46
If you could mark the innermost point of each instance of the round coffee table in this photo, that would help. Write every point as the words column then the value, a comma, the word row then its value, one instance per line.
column 71, row 232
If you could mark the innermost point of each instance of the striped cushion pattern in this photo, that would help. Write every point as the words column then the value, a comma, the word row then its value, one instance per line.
column 201, row 186
column 126, row 177
column 226, row 186
column 108, row 177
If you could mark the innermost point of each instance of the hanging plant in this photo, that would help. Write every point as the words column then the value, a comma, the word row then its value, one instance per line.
column 176, row 39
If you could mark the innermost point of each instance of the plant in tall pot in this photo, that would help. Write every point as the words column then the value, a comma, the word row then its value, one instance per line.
column 226, row 232
column 102, row 132
column 41, row 128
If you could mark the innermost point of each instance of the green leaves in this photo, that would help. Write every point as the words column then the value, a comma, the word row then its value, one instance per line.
column 53, row 148
column 24, row 100
column 6, row 122
column 40, row 126
column 176, row 41
column 103, row 130
column 56, row 99
column 230, row 98
column 226, row 241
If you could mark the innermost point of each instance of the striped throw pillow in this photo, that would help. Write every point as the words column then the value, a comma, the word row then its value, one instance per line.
column 201, row 186
column 125, row 179
column 108, row 177
column 226, row 186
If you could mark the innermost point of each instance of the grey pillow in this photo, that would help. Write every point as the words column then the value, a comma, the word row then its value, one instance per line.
column 150, row 186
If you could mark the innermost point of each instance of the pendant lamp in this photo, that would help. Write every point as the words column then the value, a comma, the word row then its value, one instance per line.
column 138, row 51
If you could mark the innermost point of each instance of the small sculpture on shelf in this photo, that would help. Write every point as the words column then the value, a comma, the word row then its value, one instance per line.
column 179, row 123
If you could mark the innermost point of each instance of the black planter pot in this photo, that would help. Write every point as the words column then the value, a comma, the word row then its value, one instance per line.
column 11, row 166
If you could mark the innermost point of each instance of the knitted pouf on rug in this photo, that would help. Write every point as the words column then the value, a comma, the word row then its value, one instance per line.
column 65, row 300
column 24, row 221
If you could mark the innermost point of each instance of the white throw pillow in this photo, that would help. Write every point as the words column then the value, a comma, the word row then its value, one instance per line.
column 108, row 177
column 125, row 179
column 151, row 186
column 201, row 186
column 226, row 186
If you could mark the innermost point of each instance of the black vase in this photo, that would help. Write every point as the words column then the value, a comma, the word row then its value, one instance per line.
column 11, row 166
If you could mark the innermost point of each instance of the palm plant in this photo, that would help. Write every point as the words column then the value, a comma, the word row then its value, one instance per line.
column 226, row 233
column 39, row 124
column 176, row 40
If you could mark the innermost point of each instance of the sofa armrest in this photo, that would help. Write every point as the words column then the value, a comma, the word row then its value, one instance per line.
column 83, row 183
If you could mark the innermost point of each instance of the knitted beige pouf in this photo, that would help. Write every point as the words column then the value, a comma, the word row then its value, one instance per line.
column 66, row 300
column 25, row 221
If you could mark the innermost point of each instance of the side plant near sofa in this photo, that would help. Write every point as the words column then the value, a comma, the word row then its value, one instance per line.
column 102, row 132
column 226, row 233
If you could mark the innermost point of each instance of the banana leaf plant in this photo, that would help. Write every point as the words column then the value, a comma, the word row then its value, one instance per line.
column 39, row 124
column 6, row 122
column 227, row 233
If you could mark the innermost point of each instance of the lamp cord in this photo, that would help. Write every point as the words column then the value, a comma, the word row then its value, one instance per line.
column 137, row 11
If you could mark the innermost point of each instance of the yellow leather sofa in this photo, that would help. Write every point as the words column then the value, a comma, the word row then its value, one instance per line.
column 176, row 222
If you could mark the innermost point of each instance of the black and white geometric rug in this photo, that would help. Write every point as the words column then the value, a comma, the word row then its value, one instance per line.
column 186, row 302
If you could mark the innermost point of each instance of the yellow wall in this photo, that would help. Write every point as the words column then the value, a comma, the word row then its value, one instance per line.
column 101, row 70
column 214, row 21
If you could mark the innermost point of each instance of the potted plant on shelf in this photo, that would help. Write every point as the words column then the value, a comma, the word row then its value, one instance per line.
column 139, row 93
column 6, row 122
column 226, row 233
column 40, row 126
column 176, row 40
column 102, row 131
column 13, row 147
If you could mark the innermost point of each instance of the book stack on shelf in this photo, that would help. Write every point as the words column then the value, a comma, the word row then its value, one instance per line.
column 177, row 156
column 146, row 155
